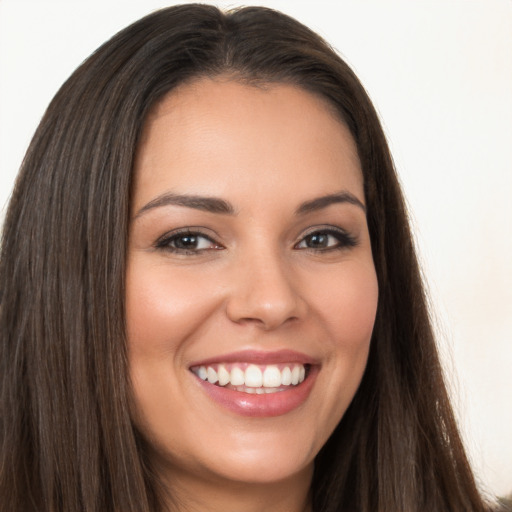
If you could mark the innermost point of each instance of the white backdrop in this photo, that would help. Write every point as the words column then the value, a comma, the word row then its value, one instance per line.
column 440, row 74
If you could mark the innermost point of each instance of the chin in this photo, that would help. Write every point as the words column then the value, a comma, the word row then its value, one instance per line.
column 265, row 462
column 258, row 455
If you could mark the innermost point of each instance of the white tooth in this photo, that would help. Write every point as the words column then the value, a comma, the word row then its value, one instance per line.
column 237, row 377
column 201, row 373
column 251, row 391
column 295, row 375
column 259, row 391
column 212, row 375
column 253, row 377
column 270, row 390
column 271, row 377
column 302, row 374
column 286, row 377
column 223, row 375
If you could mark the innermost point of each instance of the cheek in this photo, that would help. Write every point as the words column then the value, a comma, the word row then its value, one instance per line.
column 164, row 308
column 165, row 312
column 345, row 305
column 348, row 305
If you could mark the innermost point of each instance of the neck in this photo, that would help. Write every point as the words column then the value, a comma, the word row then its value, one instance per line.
column 188, row 493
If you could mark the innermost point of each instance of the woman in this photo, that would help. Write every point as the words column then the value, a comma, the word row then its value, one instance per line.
column 210, row 297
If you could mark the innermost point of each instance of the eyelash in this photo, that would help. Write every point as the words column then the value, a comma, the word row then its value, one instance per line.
column 164, row 242
column 343, row 241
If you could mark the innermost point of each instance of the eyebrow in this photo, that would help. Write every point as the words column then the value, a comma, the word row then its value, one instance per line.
column 207, row 204
column 324, row 201
column 220, row 206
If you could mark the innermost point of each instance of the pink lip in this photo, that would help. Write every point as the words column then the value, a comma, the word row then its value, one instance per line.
column 258, row 357
column 265, row 405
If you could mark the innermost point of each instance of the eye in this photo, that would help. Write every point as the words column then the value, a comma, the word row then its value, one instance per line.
column 327, row 239
column 186, row 242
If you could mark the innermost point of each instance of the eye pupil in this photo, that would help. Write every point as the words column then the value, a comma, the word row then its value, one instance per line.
column 186, row 242
column 317, row 240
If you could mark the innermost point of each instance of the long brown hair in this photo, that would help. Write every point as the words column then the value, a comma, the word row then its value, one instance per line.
column 67, row 439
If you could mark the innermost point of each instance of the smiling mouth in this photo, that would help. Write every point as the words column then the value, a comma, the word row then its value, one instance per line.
column 253, row 378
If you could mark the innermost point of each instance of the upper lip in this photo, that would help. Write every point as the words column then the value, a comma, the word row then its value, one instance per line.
column 259, row 357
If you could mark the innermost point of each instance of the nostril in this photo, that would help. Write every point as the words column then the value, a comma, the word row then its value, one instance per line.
column 264, row 322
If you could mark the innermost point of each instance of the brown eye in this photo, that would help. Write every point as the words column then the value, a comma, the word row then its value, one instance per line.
column 323, row 240
column 318, row 241
column 187, row 243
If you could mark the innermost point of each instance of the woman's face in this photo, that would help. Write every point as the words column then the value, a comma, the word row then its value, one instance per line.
column 251, row 288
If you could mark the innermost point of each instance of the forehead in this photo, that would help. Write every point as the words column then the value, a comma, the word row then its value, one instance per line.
column 212, row 135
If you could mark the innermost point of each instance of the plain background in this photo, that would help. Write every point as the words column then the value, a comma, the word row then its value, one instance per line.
column 440, row 74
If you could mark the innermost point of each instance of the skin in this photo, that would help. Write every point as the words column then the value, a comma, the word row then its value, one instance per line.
column 257, row 283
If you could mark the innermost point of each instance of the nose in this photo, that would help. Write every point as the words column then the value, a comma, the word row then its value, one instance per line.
column 264, row 293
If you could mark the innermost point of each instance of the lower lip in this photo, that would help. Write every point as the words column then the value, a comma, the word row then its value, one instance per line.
column 265, row 405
